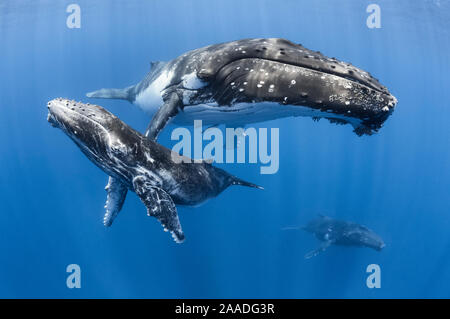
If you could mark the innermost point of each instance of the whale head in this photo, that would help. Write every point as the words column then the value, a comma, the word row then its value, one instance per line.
column 97, row 132
column 78, row 120
column 367, row 237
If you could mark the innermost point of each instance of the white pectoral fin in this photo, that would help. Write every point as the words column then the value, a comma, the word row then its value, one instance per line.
column 116, row 194
column 160, row 205
column 317, row 251
column 164, row 114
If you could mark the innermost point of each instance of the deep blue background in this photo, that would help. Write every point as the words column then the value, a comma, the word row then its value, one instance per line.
column 396, row 182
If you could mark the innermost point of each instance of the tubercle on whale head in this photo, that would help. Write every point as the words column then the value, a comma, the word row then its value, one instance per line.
column 61, row 110
column 373, row 124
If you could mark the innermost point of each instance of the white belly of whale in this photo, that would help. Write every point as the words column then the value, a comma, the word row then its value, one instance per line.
column 245, row 113
column 150, row 99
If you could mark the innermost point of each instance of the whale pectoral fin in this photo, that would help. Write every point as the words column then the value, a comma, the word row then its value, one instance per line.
column 116, row 194
column 165, row 113
column 160, row 205
column 317, row 251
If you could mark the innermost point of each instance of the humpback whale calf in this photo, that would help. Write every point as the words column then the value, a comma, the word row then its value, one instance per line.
column 139, row 164
column 255, row 80
column 332, row 231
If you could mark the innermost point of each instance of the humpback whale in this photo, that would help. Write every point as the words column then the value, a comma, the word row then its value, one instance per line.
column 338, row 232
column 255, row 80
column 136, row 163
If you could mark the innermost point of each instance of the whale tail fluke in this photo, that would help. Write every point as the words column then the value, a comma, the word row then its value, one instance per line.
column 121, row 94
column 237, row 181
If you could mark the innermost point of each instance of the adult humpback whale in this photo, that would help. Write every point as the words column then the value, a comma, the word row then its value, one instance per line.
column 338, row 232
column 136, row 163
column 255, row 80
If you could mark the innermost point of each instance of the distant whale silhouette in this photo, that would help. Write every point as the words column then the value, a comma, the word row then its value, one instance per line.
column 136, row 163
column 338, row 232
column 255, row 80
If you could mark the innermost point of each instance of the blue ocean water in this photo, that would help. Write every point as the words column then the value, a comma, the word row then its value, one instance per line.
column 395, row 182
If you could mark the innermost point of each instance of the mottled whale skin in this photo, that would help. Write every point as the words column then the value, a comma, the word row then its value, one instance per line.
column 337, row 232
column 255, row 80
column 139, row 164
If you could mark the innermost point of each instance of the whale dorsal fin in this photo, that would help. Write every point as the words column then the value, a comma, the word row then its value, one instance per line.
column 116, row 194
column 164, row 114
column 160, row 205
